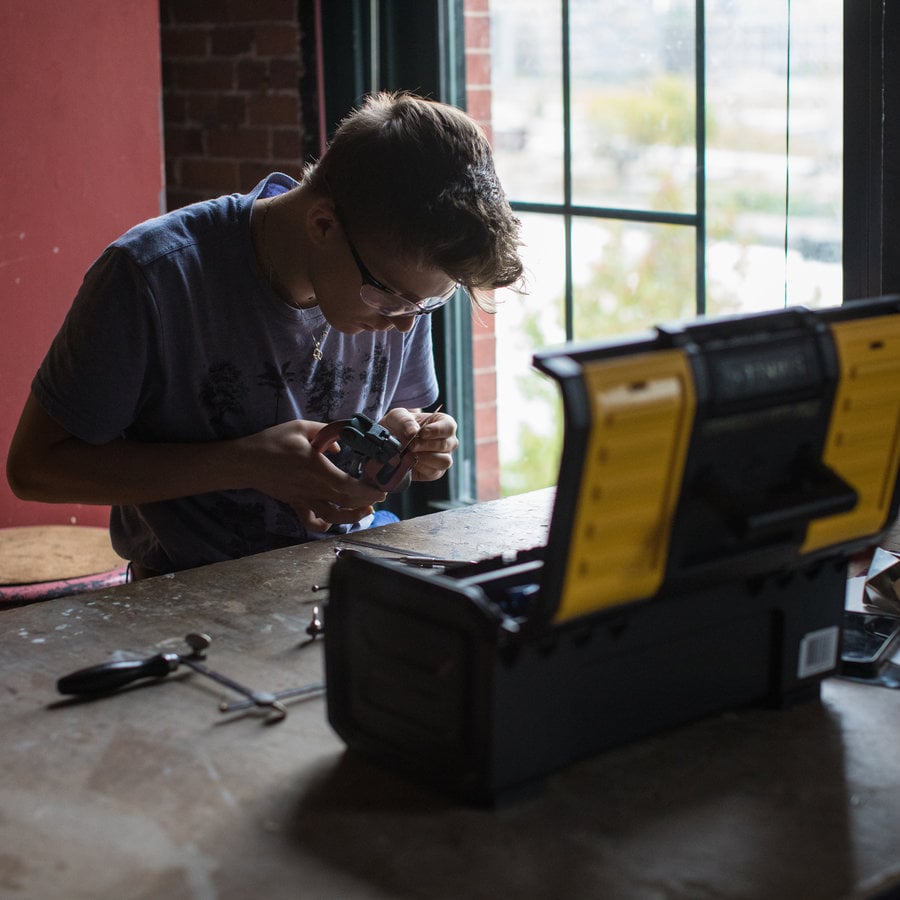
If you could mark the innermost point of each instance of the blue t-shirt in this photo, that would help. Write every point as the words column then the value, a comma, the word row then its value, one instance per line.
column 176, row 335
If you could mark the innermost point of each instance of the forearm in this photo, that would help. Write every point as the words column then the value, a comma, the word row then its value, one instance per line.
column 49, row 465
column 126, row 472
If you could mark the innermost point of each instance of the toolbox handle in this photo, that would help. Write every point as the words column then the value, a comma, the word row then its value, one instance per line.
column 818, row 492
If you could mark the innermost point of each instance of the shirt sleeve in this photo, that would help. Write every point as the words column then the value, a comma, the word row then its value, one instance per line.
column 94, row 375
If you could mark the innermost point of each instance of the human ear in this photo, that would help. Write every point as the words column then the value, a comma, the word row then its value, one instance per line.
column 320, row 220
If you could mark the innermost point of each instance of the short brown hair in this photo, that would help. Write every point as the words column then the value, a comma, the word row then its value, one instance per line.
column 419, row 175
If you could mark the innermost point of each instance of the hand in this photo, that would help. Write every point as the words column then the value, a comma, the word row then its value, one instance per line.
column 433, row 437
column 288, row 468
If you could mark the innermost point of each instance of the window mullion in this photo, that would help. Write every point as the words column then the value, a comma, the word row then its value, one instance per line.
column 700, row 139
column 569, row 293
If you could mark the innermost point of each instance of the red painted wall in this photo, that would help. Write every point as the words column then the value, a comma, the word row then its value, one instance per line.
column 80, row 161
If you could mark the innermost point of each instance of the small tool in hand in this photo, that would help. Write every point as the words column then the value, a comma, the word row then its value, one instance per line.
column 109, row 676
column 377, row 457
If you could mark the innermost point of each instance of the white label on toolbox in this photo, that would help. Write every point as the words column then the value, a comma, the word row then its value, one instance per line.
column 818, row 651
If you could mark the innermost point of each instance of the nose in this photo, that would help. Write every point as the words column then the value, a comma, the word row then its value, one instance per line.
column 402, row 323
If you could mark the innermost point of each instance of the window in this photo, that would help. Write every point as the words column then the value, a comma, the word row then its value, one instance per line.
column 638, row 209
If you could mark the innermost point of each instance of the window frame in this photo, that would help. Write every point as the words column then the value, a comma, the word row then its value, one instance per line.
column 871, row 148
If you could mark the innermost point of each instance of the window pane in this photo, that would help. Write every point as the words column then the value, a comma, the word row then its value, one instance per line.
column 633, row 104
column 528, row 407
column 815, row 213
column 774, row 154
column 527, row 98
column 629, row 277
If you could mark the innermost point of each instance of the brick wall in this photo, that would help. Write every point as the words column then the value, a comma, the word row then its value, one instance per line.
column 478, row 104
column 235, row 95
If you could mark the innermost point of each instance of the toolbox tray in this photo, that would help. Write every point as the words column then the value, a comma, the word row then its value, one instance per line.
column 714, row 480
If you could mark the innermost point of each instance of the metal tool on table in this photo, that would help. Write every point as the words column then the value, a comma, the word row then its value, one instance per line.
column 377, row 457
column 419, row 562
column 351, row 547
column 110, row 676
column 307, row 690
column 315, row 627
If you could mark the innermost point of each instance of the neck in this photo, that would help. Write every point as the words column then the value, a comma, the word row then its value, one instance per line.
column 280, row 263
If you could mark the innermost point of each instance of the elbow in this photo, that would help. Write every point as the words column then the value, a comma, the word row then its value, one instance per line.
column 35, row 463
column 40, row 462
column 24, row 480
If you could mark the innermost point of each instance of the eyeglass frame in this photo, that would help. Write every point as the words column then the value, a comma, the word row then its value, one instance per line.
column 413, row 308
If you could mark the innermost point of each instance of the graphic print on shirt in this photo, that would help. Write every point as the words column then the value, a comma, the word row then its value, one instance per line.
column 325, row 391
column 376, row 377
column 278, row 380
column 319, row 391
column 332, row 381
column 222, row 393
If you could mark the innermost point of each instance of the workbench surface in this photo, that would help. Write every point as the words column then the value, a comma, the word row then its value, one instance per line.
column 154, row 793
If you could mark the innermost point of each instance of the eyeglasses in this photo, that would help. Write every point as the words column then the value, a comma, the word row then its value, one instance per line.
column 387, row 301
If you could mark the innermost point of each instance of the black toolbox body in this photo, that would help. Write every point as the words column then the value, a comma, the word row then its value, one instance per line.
column 714, row 481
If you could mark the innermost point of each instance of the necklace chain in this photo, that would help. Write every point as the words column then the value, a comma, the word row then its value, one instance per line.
column 279, row 288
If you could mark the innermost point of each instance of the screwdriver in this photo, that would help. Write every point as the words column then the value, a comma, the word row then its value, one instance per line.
column 109, row 676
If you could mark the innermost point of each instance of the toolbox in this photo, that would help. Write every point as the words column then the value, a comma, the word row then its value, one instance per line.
column 714, row 481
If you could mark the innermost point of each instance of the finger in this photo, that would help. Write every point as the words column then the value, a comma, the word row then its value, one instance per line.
column 431, row 466
column 435, row 431
column 434, row 445
column 343, row 491
column 332, row 515
column 401, row 423
column 437, row 422
column 312, row 522
column 350, row 516
column 427, row 474
column 361, row 495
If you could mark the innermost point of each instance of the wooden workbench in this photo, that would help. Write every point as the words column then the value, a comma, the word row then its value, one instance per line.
column 153, row 793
